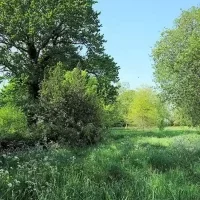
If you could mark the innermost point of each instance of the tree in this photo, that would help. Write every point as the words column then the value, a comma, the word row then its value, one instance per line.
column 146, row 109
column 176, row 63
column 106, row 71
column 123, row 104
column 180, row 118
column 117, row 112
column 163, row 114
column 36, row 35
column 70, row 107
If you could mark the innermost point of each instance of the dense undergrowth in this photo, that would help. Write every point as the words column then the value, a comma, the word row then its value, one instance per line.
column 129, row 164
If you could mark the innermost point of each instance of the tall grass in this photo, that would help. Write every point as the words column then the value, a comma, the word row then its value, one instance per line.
column 129, row 165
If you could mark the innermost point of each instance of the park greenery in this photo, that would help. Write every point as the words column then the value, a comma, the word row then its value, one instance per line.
column 176, row 64
column 128, row 164
column 70, row 130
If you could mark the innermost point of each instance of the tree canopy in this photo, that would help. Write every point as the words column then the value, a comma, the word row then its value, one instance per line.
column 176, row 63
column 146, row 109
column 36, row 35
column 124, row 101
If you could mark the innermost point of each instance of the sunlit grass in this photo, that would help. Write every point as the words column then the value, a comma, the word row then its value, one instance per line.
column 129, row 164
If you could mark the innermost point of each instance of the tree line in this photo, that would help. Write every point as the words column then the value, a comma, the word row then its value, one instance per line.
column 62, row 85
column 176, row 65
column 58, row 75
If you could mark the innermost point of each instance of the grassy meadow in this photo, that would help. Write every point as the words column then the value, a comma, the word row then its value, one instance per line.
column 129, row 164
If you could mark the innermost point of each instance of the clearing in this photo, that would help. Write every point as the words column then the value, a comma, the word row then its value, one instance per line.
column 129, row 164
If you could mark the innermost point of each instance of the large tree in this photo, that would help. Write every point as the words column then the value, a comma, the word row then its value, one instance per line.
column 177, row 63
column 37, row 34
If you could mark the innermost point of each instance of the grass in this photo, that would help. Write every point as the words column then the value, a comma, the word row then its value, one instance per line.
column 129, row 164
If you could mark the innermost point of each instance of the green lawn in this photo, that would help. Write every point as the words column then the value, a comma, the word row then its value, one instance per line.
column 129, row 164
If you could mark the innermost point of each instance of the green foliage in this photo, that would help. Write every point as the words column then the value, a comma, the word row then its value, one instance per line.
column 106, row 71
column 12, row 122
column 162, row 161
column 36, row 35
column 116, row 114
column 180, row 118
column 14, row 92
column 163, row 113
column 70, row 106
column 6, row 94
column 146, row 109
column 122, row 168
column 143, row 111
column 111, row 115
column 176, row 63
column 124, row 101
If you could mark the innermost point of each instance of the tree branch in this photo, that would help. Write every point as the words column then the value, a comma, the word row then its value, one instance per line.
column 53, row 34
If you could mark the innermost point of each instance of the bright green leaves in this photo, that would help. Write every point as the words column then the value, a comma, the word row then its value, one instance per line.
column 124, row 101
column 12, row 121
column 146, row 109
column 176, row 63
column 82, row 80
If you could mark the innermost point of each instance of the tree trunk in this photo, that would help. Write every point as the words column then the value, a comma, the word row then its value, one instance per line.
column 33, row 89
column 32, row 107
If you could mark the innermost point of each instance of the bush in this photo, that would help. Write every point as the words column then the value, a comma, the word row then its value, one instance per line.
column 71, row 108
column 12, row 122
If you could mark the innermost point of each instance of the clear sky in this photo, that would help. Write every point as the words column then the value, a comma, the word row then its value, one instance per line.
column 132, row 27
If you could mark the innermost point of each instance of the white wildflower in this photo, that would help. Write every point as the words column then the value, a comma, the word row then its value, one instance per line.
column 45, row 158
column 17, row 182
column 9, row 185
column 4, row 155
column 16, row 158
column 6, row 172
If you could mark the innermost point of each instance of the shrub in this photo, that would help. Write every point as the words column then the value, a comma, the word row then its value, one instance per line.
column 71, row 108
column 12, row 122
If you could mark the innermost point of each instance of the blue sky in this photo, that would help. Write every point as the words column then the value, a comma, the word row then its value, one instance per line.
column 132, row 27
